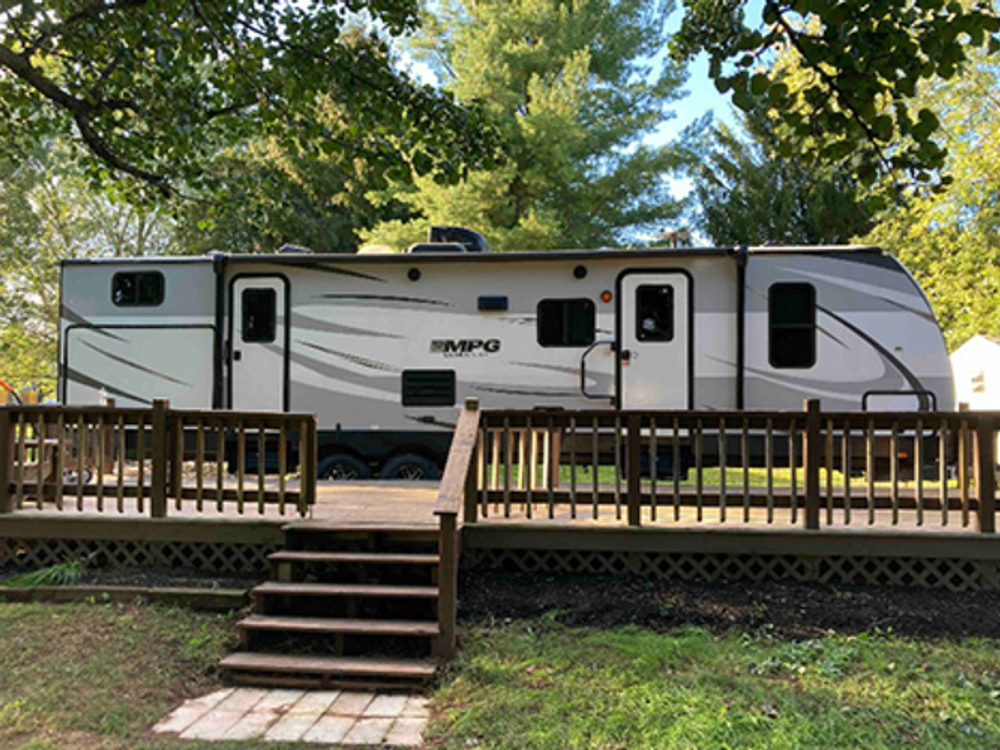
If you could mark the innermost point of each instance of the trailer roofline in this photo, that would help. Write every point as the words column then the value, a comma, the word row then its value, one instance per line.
column 307, row 259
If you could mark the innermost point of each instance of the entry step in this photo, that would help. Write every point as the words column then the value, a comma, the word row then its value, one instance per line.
column 352, row 626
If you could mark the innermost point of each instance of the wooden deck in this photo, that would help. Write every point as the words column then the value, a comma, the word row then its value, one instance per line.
column 412, row 503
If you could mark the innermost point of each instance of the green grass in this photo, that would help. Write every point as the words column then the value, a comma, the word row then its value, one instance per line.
column 539, row 685
column 96, row 677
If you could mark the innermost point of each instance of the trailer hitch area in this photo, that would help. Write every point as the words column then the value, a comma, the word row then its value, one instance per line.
column 583, row 371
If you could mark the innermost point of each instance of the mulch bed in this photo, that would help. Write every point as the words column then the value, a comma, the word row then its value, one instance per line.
column 793, row 610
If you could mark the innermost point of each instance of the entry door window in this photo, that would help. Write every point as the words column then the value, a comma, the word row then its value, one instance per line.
column 259, row 315
column 654, row 315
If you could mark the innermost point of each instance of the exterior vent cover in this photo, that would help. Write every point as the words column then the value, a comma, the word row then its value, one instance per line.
column 428, row 387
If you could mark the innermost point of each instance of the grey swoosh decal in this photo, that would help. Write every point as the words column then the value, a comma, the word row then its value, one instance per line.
column 135, row 366
column 524, row 391
column 431, row 421
column 79, row 377
column 822, row 330
column 314, row 324
column 354, row 358
column 920, row 313
column 332, row 270
column 912, row 379
column 78, row 320
column 385, row 298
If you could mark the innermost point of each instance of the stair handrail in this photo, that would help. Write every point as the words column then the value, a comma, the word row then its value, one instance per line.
column 456, row 483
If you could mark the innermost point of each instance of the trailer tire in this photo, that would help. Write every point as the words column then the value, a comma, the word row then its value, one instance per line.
column 410, row 466
column 343, row 466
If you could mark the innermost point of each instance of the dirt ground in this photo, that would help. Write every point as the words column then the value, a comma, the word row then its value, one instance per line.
column 794, row 610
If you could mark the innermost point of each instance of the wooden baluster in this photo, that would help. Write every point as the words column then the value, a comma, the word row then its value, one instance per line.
column 793, row 470
column 698, row 472
column 870, row 470
column 82, row 457
column 159, row 457
column 918, row 469
column 177, row 465
column 595, row 462
column 572, row 467
column 261, row 469
column 241, row 462
column 654, row 468
column 829, row 472
column 722, row 470
column 220, row 469
column 943, row 470
column 60, row 457
column 40, row 451
column 200, row 466
column 101, row 453
column 769, row 467
column 812, row 452
column 140, row 454
column 745, row 459
column 532, row 467
column 6, row 462
column 676, row 446
column 508, row 446
column 550, row 464
column 22, row 457
column 618, row 468
column 634, row 468
column 963, row 469
column 282, row 466
column 894, row 471
column 121, row 463
column 845, row 462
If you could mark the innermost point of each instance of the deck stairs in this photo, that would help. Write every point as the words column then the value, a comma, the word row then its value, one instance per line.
column 347, row 607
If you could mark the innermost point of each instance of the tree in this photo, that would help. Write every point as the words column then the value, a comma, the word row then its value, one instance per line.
column 48, row 213
column 153, row 88
column 951, row 241
column 749, row 192
column 573, row 87
column 866, row 60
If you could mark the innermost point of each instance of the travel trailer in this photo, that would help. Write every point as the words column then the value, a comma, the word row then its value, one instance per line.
column 384, row 348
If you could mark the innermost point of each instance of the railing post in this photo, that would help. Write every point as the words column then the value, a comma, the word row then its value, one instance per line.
column 811, row 458
column 447, row 584
column 160, row 455
column 986, row 481
column 471, row 491
column 6, row 462
column 308, row 468
column 634, row 464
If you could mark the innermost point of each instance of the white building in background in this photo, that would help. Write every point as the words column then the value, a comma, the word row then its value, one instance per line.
column 975, row 366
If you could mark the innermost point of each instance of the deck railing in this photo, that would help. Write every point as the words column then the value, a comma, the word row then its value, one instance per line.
column 135, row 460
column 809, row 468
column 458, row 487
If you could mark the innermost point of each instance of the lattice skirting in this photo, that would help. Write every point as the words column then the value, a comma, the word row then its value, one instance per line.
column 953, row 574
column 31, row 554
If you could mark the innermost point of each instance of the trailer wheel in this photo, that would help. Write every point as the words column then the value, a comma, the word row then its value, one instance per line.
column 410, row 466
column 343, row 466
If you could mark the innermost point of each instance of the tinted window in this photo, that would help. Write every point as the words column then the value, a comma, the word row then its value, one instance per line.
column 566, row 322
column 654, row 313
column 792, row 325
column 259, row 313
column 137, row 289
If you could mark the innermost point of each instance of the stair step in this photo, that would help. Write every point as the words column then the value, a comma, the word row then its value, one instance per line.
column 373, row 558
column 275, row 588
column 330, row 625
column 428, row 531
column 347, row 666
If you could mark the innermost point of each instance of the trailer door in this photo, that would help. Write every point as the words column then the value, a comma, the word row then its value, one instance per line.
column 654, row 340
column 258, row 336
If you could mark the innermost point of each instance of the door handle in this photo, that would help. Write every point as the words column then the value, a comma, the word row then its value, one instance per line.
column 626, row 355
column 237, row 355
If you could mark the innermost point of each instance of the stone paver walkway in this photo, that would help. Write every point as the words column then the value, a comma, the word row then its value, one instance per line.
column 319, row 716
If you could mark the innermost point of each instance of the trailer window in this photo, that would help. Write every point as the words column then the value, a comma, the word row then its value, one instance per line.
column 137, row 289
column 566, row 322
column 259, row 314
column 654, row 313
column 792, row 324
column 428, row 387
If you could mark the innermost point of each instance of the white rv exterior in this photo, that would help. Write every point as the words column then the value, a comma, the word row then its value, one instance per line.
column 385, row 348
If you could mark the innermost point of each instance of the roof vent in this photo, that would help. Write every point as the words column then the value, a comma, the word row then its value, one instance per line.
column 294, row 249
